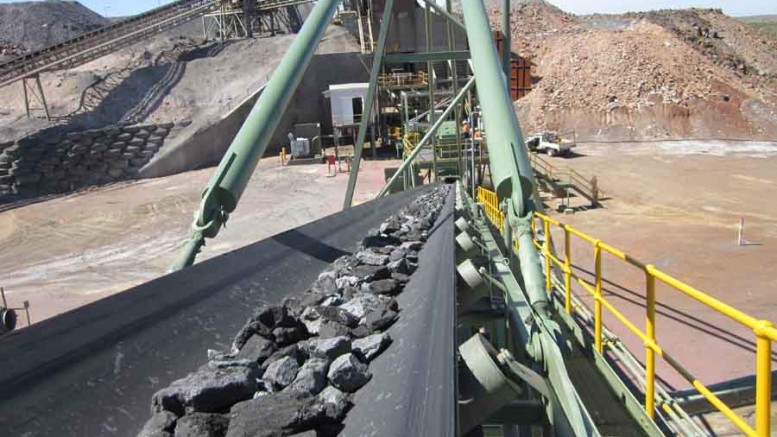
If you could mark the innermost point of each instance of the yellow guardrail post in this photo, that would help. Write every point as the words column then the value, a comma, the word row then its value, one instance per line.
column 546, row 249
column 650, row 332
column 763, row 384
column 567, row 271
column 598, row 297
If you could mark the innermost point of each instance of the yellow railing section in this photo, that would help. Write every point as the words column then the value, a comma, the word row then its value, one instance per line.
column 410, row 140
column 400, row 79
column 763, row 330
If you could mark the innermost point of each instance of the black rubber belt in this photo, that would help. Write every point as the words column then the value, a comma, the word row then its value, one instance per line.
column 413, row 388
column 92, row 371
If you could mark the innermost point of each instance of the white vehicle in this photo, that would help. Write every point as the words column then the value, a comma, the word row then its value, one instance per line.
column 552, row 143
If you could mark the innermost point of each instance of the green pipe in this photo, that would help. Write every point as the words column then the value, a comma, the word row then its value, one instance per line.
column 506, row 40
column 239, row 162
column 511, row 170
column 429, row 134
column 377, row 63
column 504, row 138
column 431, row 77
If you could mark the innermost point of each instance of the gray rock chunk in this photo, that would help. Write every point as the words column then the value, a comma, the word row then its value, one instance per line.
column 337, row 315
column 381, row 319
column 202, row 425
column 348, row 374
column 361, row 304
column 310, row 433
column 371, row 258
column 271, row 415
column 371, row 273
column 336, row 401
column 344, row 264
column 257, row 348
column 325, row 284
column 371, row 346
column 206, row 391
column 285, row 413
column 311, row 378
column 330, row 329
column 412, row 245
column 287, row 335
column 332, row 301
column 293, row 351
column 280, row 373
column 389, row 287
column 399, row 266
column 161, row 424
column 264, row 320
column 224, row 364
column 329, row 348
column 375, row 239
column 312, row 326
column 390, row 226
column 346, row 281
column 401, row 278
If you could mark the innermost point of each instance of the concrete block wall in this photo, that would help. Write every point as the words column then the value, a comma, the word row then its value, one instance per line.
column 60, row 162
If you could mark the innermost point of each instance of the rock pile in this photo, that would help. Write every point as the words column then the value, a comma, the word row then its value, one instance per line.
column 294, row 367
column 35, row 25
column 54, row 163
column 693, row 73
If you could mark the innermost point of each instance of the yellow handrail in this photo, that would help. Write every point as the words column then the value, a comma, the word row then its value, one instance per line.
column 764, row 331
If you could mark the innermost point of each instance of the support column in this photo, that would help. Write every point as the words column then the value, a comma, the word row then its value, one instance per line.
column 455, row 89
column 225, row 188
column 377, row 61
column 431, row 78
column 506, row 41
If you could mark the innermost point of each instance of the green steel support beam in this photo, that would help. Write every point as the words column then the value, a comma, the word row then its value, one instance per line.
column 432, row 130
column 223, row 192
column 451, row 18
column 506, row 40
column 510, row 166
column 455, row 77
column 377, row 62
column 432, row 78
column 401, row 58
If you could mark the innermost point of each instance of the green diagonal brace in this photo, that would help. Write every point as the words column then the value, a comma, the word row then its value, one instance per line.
column 409, row 160
column 377, row 61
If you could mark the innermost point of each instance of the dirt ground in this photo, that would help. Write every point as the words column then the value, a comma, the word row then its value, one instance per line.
column 677, row 205
column 65, row 252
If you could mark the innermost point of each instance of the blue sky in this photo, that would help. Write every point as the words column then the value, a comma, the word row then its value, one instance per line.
column 731, row 7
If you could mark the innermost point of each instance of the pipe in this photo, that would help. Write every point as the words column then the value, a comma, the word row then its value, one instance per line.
column 511, row 170
column 429, row 134
column 239, row 162
column 506, row 40
column 504, row 138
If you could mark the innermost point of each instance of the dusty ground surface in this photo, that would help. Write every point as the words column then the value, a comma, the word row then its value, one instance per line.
column 677, row 205
column 65, row 252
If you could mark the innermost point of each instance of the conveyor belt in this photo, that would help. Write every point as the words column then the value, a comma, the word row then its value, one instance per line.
column 413, row 390
column 92, row 45
column 92, row 371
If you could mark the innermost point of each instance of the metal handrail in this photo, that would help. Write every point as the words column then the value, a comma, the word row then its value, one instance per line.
column 763, row 330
